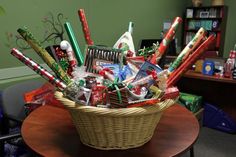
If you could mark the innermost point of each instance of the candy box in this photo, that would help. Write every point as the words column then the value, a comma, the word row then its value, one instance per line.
column 118, row 96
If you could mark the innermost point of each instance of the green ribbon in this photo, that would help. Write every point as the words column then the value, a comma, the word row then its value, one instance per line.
column 114, row 85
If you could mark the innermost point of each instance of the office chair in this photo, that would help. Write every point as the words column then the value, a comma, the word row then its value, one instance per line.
column 13, row 112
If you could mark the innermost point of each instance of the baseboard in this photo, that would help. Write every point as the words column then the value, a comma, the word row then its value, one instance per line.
column 8, row 75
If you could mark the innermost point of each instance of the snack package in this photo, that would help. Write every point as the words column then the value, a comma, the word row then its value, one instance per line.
column 99, row 55
column 80, row 95
column 145, row 70
column 41, row 96
column 98, row 96
column 37, row 96
column 171, row 93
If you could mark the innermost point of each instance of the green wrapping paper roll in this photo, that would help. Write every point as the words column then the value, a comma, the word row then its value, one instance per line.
column 28, row 36
column 74, row 44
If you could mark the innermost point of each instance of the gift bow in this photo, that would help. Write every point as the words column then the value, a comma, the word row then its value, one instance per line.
column 114, row 85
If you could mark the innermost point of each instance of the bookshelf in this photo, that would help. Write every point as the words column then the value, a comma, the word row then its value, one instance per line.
column 212, row 18
column 214, row 90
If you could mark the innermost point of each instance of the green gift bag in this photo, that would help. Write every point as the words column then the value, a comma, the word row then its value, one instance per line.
column 190, row 101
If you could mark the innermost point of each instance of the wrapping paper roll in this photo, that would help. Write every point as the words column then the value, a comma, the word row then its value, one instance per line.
column 85, row 27
column 38, row 69
column 188, row 49
column 74, row 44
column 166, row 41
column 44, row 54
column 174, row 77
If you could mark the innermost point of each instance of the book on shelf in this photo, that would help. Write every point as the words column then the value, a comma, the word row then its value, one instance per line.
column 189, row 36
column 218, row 39
column 197, row 24
column 204, row 13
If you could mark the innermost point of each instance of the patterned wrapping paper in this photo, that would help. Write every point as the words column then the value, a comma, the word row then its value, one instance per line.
column 175, row 76
column 28, row 36
column 85, row 27
column 38, row 69
column 166, row 41
column 74, row 44
column 188, row 49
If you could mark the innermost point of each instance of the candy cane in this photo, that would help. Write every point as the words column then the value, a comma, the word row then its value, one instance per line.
column 65, row 45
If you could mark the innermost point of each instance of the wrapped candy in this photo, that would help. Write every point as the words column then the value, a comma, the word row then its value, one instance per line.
column 98, row 96
column 170, row 93
column 105, row 73
column 78, row 94
column 138, row 93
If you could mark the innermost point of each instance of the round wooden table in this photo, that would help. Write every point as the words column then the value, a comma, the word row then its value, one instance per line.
column 49, row 132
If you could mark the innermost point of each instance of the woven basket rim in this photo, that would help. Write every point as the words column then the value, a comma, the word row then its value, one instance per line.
column 71, row 105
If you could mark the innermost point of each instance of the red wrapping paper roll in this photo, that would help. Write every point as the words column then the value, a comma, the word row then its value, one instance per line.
column 38, row 69
column 175, row 76
column 85, row 27
column 166, row 41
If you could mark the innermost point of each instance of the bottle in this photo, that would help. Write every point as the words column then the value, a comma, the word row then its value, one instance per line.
column 228, row 68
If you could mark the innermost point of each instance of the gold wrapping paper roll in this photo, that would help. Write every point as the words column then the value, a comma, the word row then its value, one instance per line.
column 28, row 36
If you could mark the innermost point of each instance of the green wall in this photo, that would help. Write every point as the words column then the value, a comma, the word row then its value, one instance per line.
column 108, row 20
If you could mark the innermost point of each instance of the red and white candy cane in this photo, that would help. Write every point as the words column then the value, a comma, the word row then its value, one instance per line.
column 65, row 45
column 104, row 72
column 38, row 69
column 85, row 27
column 166, row 41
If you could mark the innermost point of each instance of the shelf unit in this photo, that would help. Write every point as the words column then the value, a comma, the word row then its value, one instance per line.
column 212, row 18
column 217, row 91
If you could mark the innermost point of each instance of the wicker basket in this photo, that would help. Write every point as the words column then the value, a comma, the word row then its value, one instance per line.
column 121, row 128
